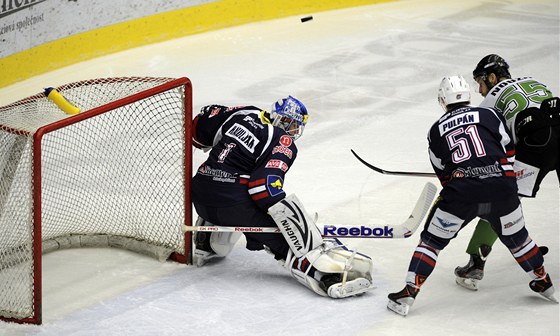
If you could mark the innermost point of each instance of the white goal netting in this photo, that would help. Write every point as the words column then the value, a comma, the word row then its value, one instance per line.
column 117, row 174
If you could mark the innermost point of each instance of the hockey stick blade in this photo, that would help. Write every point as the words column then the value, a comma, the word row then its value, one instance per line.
column 420, row 210
column 388, row 172
column 404, row 230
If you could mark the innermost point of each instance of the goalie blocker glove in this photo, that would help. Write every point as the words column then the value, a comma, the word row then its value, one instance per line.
column 326, row 266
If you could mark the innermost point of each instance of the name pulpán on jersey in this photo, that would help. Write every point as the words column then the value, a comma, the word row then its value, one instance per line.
column 458, row 120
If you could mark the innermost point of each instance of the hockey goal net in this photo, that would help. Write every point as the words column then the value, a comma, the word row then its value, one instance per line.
column 115, row 175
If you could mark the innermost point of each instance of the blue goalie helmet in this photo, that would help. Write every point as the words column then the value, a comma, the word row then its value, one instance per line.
column 290, row 115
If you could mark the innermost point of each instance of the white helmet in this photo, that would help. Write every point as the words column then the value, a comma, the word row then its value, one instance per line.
column 453, row 90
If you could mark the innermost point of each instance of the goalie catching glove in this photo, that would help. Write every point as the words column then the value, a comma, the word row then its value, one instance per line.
column 326, row 266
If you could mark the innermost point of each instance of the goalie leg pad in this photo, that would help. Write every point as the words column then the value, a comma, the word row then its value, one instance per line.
column 349, row 288
column 223, row 242
column 341, row 258
column 309, row 282
column 327, row 267
column 296, row 225
column 332, row 270
column 355, row 278
column 210, row 245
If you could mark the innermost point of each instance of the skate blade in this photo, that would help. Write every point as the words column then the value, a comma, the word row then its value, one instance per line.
column 470, row 284
column 399, row 308
column 550, row 298
column 549, row 295
column 201, row 257
column 355, row 287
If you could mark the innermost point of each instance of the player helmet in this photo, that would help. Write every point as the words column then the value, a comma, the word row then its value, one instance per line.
column 453, row 90
column 290, row 115
column 491, row 64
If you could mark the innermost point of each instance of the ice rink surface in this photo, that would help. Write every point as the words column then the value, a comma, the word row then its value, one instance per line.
column 369, row 77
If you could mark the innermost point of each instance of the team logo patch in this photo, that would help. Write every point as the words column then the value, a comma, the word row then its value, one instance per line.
column 284, row 150
column 445, row 223
column 274, row 185
column 279, row 164
column 285, row 141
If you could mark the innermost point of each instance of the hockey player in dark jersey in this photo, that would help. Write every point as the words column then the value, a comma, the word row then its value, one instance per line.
column 533, row 116
column 472, row 153
column 241, row 184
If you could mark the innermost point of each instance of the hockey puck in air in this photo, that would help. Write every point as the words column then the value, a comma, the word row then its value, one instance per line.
column 307, row 18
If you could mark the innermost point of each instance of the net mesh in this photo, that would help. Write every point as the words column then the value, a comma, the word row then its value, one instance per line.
column 114, row 179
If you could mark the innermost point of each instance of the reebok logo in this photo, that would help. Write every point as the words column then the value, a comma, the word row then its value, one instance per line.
column 354, row 231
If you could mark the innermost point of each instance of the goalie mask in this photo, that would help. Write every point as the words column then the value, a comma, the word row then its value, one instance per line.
column 290, row 115
column 453, row 90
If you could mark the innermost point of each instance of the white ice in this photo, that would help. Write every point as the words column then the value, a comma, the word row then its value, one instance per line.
column 369, row 78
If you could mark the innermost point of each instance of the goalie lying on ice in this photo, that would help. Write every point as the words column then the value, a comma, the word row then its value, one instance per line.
column 241, row 184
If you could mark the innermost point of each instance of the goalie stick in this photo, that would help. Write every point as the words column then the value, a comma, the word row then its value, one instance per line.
column 404, row 230
column 388, row 172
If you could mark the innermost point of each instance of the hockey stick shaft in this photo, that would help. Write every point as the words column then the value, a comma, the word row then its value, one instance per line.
column 230, row 229
column 388, row 172
column 328, row 231
column 404, row 230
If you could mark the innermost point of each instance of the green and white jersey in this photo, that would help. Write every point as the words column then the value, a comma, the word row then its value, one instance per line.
column 515, row 95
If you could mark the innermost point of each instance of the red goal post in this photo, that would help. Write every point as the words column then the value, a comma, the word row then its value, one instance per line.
column 115, row 175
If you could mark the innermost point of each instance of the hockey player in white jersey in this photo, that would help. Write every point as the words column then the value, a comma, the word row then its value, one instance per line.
column 533, row 116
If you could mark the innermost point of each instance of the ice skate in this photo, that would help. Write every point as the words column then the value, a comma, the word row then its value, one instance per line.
column 401, row 302
column 469, row 275
column 202, row 250
column 544, row 287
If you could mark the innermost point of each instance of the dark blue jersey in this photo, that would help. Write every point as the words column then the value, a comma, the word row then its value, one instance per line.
column 248, row 158
column 472, row 153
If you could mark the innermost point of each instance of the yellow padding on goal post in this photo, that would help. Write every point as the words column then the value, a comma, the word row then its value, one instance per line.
column 61, row 102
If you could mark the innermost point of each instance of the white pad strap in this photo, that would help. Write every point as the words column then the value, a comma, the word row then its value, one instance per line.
column 335, row 257
column 303, row 277
column 296, row 225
